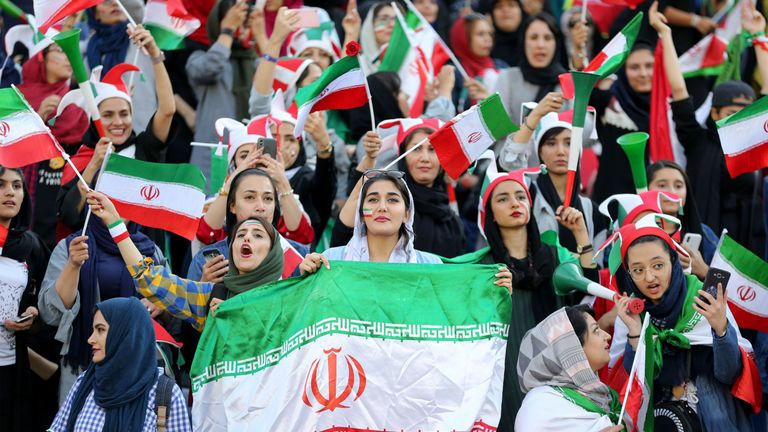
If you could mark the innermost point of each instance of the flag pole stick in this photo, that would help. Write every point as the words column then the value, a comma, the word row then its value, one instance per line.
column 366, row 72
column 64, row 154
column 133, row 74
column 634, row 367
column 101, row 170
column 127, row 15
column 405, row 153
column 451, row 55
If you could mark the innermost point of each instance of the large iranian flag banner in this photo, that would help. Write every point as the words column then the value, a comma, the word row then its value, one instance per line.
column 744, row 138
column 362, row 346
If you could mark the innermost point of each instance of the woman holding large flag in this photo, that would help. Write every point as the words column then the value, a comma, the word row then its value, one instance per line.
column 254, row 247
column 22, row 266
column 695, row 353
column 513, row 237
column 557, row 367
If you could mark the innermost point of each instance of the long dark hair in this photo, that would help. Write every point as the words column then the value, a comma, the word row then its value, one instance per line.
column 23, row 218
column 401, row 187
column 231, row 218
column 690, row 219
column 402, row 165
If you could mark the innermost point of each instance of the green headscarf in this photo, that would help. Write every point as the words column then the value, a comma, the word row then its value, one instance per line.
column 268, row 271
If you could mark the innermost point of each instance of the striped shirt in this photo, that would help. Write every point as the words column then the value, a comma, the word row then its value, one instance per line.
column 183, row 298
column 91, row 417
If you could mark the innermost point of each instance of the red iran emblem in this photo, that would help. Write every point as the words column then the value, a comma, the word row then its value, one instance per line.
column 765, row 126
column 746, row 293
column 5, row 129
column 474, row 137
column 353, row 381
column 149, row 192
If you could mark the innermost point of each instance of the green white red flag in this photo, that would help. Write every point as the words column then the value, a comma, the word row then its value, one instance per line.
column 341, row 86
column 169, row 22
column 158, row 195
column 706, row 58
column 405, row 57
column 465, row 137
column 49, row 12
column 747, row 288
column 637, row 392
column 24, row 137
column 330, row 352
column 744, row 138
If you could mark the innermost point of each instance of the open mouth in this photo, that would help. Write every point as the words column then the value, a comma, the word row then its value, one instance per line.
column 117, row 131
column 246, row 251
column 654, row 289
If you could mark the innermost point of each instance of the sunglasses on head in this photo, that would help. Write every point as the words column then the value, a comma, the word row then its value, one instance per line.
column 376, row 174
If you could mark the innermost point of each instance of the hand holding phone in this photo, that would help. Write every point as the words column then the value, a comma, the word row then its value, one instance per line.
column 22, row 318
column 692, row 241
column 714, row 276
column 268, row 146
column 308, row 18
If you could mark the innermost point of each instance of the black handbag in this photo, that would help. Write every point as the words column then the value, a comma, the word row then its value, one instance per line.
column 675, row 416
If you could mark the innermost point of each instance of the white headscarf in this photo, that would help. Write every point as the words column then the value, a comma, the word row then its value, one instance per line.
column 370, row 48
column 357, row 248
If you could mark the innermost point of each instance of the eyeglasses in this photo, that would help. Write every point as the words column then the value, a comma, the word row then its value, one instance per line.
column 638, row 273
column 377, row 173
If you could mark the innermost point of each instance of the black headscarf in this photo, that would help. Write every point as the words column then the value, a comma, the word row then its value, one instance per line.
column 690, row 219
column 548, row 191
column 546, row 78
column 384, row 87
column 636, row 105
column 503, row 40
column 531, row 273
column 21, row 244
column 437, row 228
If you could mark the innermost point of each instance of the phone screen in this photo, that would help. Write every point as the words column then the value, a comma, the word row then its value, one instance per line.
column 211, row 254
column 308, row 18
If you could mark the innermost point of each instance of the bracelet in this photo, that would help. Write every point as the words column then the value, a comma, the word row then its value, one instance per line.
column 327, row 149
column 584, row 249
column 227, row 31
column 284, row 194
column 118, row 231
column 633, row 337
column 525, row 123
column 268, row 57
column 158, row 59
column 223, row 193
column 695, row 20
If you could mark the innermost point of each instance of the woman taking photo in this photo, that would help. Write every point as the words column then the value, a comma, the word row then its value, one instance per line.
column 702, row 352
column 557, row 367
column 254, row 247
column 120, row 389
column 26, row 401
column 513, row 238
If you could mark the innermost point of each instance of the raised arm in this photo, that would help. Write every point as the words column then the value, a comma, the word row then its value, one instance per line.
column 658, row 21
column 552, row 102
column 754, row 22
column 285, row 23
column 166, row 103
column 351, row 23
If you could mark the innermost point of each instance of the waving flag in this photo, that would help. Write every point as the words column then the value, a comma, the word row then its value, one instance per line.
column 169, row 22
column 744, row 138
column 24, row 138
column 328, row 352
column 465, row 137
column 341, row 86
column 158, row 195
column 637, row 393
column 747, row 288
column 49, row 12
column 705, row 58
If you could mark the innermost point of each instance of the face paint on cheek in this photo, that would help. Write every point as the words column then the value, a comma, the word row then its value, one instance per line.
column 367, row 212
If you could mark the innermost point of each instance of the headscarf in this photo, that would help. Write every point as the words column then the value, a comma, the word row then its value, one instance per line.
column 99, row 242
column 243, row 60
column 503, row 40
column 109, row 44
column 23, row 245
column 551, row 355
column 270, row 270
column 636, row 105
column 384, row 87
column 71, row 125
column 404, row 251
column 689, row 216
column 547, row 78
column 122, row 381
column 472, row 63
column 370, row 49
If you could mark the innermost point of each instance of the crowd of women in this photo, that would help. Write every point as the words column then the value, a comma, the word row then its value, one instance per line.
column 83, row 310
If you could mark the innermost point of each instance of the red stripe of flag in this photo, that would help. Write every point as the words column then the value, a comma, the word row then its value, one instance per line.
column 449, row 150
column 178, row 223
column 66, row 9
column 347, row 98
column 27, row 150
column 747, row 319
column 747, row 161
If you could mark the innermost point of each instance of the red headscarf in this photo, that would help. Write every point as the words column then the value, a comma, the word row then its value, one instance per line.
column 473, row 64
column 72, row 123
column 200, row 10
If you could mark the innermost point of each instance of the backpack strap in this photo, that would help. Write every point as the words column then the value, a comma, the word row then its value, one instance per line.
column 163, row 396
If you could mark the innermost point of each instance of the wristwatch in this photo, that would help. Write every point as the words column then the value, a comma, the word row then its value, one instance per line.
column 581, row 250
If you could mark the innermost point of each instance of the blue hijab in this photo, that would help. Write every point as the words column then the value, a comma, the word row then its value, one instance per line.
column 122, row 381
column 108, row 45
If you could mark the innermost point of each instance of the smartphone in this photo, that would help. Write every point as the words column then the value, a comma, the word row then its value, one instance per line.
column 267, row 146
column 692, row 240
column 715, row 276
column 210, row 254
column 22, row 318
column 308, row 18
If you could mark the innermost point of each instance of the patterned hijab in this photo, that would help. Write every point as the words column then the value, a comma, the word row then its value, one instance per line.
column 551, row 354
